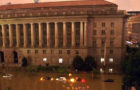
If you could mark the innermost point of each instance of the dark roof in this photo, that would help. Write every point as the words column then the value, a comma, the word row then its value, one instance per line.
column 56, row 4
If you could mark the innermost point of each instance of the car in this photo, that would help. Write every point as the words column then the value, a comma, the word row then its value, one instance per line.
column 7, row 76
column 63, row 79
column 109, row 80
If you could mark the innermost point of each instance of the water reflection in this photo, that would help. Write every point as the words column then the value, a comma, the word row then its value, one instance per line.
column 28, row 81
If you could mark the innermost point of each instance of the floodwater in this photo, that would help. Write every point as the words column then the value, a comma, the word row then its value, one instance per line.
column 28, row 81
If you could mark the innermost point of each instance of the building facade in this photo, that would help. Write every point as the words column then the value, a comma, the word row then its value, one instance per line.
column 133, row 28
column 55, row 32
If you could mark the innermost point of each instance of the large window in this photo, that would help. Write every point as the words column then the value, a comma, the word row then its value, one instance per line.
column 44, row 59
column 102, row 60
column 110, row 60
column 60, row 60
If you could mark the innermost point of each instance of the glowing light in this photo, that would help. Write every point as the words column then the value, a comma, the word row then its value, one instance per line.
column 42, row 79
column 70, row 74
column 52, row 79
column 83, row 80
column 72, row 80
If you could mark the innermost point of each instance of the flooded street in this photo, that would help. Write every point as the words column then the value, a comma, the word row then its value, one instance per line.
column 28, row 81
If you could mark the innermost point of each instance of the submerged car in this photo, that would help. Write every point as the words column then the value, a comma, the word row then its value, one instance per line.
column 109, row 80
column 7, row 76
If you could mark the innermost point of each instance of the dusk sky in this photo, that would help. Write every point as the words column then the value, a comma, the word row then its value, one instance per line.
column 123, row 4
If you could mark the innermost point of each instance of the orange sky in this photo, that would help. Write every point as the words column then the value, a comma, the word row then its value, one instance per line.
column 123, row 4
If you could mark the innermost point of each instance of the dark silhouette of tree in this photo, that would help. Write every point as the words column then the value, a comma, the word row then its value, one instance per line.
column 90, row 63
column 24, row 62
column 78, row 63
column 131, row 68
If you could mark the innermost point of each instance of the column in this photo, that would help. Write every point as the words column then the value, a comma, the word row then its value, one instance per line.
column 64, row 34
column 85, row 33
column 48, row 34
column 10, row 35
column 73, row 34
column 56, row 34
column 3, row 36
column 32, row 35
column 25, row 35
column 40, row 35
column 17, row 35
column 81, row 34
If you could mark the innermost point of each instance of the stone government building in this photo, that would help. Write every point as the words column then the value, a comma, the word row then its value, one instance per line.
column 55, row 32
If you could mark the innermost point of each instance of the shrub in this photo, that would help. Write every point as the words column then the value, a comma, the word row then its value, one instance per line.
column 62, row 70
column 24, row 62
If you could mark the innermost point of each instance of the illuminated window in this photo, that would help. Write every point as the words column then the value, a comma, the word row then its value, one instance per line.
column 44, row 59
column 110, row 59
column 110, row 70
column 101, row 70
column 102, row 60
column 60, row 60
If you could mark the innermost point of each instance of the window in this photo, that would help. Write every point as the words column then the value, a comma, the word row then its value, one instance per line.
column 110, row 70
column 103, row 42
column 94, row 24
column 103, row 32
column 111, row 60
column 102, row 60
column 44, row 51
column 36, row 51
column 94, row 32
column 28, row 51
column 44, row 59
column 111, row 43
column 112, row 24
column 68, row 51
column 111, row 51
column 103, row 24
column 60, row 60
column 94, row 43
column 102, row 51
column 60, row 51
column 76, row 52
column 52, row 52
column 112, row 32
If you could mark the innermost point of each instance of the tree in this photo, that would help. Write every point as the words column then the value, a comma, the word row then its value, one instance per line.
column 131, row 68
column 24, row 62
column 78, row 63
column 90, row 63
